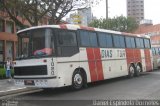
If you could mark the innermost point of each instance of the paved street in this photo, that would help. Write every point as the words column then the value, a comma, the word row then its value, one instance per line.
column 147, row 86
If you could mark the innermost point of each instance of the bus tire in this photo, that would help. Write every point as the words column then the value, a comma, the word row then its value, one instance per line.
column 138, row 70
column 131, row 71
column 77, row 80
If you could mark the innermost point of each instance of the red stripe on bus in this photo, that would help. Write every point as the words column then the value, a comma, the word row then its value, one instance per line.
column 91, row 63
column 99, row 64
column 129, row 56
column 87, row 28
column 148, row 60
column 137, row 56
column 63, row 26
column 133, row 56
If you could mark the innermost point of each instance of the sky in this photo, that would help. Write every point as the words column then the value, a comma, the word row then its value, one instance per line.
column 118, row 8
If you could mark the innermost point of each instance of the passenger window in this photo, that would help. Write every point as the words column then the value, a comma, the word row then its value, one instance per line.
column 67, row 38
column 128, row 42
column 109, row 40
column 122, row 42
column 116, row 41
column 105, row 40
column 138, row 44
column 133, row 43
column 85, row 41
column 147, row 43
column 102, row 39
column 141, row 43
column 93, row 39
column 67, row 43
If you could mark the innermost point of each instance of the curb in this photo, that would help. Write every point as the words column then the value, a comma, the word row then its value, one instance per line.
column 16, row 91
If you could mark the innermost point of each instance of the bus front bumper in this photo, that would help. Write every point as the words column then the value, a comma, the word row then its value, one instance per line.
column 39, row 83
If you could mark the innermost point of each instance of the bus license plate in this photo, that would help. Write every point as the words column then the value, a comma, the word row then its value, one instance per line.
column 29, row 82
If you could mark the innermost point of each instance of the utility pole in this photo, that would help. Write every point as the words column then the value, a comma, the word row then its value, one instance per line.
column 106, row 9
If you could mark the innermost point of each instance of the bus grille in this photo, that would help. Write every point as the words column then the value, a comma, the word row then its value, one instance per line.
column 31, row 70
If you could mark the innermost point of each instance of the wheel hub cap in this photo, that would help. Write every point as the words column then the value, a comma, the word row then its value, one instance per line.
column 77, row 79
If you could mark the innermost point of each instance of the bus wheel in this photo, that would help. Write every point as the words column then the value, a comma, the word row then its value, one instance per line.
column 77, row 80
column 131, row 71
column 138, row 70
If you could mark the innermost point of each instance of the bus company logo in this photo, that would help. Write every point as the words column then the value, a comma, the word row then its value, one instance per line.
column 113, row 53
column 106, row 53
column 121, row 53
column 52, row 67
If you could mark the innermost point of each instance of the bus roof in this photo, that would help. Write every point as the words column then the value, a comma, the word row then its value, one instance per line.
column 76, row 27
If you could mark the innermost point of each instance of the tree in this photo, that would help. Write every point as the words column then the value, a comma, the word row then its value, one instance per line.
column 120, row 23
column 34, row 10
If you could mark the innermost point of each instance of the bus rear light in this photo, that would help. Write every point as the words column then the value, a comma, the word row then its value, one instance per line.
column 45, row 61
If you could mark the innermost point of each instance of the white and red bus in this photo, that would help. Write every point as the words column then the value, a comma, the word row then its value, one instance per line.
column 64, row 55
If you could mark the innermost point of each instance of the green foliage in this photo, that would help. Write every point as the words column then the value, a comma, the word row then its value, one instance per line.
column 121, row 23
column 34, row 11
column 3, row 73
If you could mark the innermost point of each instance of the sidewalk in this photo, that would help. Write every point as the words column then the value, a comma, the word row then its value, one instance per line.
column 7, row 88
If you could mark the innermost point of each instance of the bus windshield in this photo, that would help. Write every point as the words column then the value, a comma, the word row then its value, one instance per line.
column 36, row 43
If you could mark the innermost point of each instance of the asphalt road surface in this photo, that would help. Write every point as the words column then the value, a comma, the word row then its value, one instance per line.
column 145, row 87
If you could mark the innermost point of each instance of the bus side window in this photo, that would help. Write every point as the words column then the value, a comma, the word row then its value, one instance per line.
column 93, row 39
column 84, row 38
column 116, row 41
column 67, row 43
column 128, row 42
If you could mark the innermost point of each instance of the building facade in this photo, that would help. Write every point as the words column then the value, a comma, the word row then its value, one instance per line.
column 152, row 30
column 8, row 37
column 82, row 17
column 86, row 16
column 135, row 9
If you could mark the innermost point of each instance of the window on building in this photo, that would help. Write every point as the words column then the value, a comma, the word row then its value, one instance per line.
column 1, row 25
column 9, row 27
